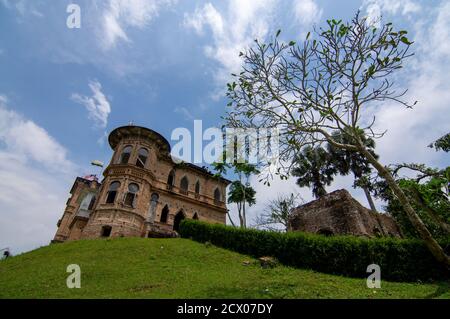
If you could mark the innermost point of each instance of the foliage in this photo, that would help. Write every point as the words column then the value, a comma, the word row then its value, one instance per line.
column 442, row 143
column 314, row 169
column 430, row 200
column 405, row 260
column 240, row 193
column 237, row 191
column 346, row 161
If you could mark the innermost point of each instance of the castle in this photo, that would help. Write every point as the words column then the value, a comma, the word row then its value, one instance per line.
column 143, row 193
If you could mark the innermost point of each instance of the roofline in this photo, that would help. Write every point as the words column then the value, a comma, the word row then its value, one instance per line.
column 130, row 127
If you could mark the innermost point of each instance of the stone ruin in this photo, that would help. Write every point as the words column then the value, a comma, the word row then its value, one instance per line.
column 338, row 213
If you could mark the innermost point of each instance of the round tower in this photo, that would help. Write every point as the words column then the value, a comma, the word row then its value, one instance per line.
column 125, row 198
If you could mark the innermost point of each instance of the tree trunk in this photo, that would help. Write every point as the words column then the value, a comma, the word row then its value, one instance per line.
column 241, row 221
column 243, row 216
column 369, row 199
column 229, row 217
column 418, row 224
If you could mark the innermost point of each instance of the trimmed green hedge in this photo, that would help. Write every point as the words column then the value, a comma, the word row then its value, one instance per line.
column 399, row 259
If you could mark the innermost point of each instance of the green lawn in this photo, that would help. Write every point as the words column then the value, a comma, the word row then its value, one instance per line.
column 178, row 268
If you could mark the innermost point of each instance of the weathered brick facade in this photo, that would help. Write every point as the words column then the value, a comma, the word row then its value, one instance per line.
column 338, row 213
column 143, row 193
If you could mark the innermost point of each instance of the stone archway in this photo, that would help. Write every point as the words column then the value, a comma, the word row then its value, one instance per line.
column 177, row 220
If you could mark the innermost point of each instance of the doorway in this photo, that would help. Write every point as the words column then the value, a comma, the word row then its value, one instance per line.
column 177, row 220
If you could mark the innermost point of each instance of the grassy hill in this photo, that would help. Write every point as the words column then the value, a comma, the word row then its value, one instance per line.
column 178, row 268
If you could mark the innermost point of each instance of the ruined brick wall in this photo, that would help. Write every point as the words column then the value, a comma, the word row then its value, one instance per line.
column 338, row 213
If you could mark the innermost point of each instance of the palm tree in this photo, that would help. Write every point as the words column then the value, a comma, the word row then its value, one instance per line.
column 241, row 195
column 313, row 167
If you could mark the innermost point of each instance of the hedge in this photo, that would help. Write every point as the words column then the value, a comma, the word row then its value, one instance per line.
column 399, row 259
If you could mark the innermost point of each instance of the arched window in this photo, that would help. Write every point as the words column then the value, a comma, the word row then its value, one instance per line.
column 197, row 189
column 112, row 192
column 152, row 209
column 142, row 157
column 164, row 214
column 177, row 220
column 155, row 197
column 217, row 196
column 130, row 196
column 170, row 180
column 195, row 216
column 184, row 184
column 125, row 156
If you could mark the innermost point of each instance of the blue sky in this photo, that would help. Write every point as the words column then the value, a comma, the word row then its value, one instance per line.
column 162, row 64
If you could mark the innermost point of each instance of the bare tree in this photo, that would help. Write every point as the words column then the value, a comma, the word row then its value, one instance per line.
column 328, row 83
column 278, row 211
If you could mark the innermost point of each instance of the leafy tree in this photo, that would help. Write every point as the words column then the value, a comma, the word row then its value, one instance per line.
column 240, row 191
column 314, row 168
column 330, row 82
column 241, row 195
column 430, row 199
column 278, row 212
column 442, row 143
column 346, row 161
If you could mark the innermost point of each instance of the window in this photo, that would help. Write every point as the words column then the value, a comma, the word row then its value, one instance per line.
column 197, row 189
column 155, row 197
column 164, row 214
column 86, row 202
column 131, row 195
column 112, row 192
column 184, row 184
column 217, row 196
column 142, row 157
column 151, row 211
column 106, row 231
column 91, row 203
column 170, row 180
column 125, row 156
column 195, row 217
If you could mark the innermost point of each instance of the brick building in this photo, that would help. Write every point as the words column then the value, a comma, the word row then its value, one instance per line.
column 143, row 193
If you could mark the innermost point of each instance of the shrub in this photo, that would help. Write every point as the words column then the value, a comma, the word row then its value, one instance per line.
column 399, row 259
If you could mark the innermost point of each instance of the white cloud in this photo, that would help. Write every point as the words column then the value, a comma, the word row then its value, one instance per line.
column 97, row 105
column 23, row 7
column 34, row 177
column 306, row 12
column 232, row 31
column 234, row 28
column 23, row 137
column 377, row 8
column 119, row 15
